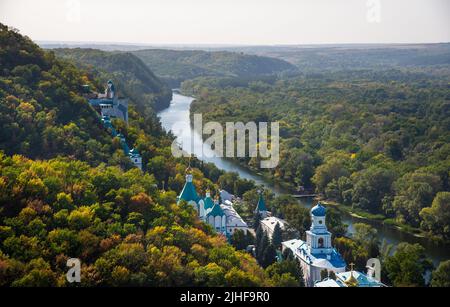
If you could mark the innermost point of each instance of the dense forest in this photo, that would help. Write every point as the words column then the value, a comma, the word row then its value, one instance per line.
column 376, row 141
column 175, row 66
column 67, row 190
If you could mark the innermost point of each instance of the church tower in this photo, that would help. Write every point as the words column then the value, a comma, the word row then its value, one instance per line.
column 189, row 194
column 318, row 237
column 208, row 203
column 261, row 206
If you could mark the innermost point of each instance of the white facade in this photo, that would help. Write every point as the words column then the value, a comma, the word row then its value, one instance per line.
column 316, row 253
column 222, row 217
column 233, row 219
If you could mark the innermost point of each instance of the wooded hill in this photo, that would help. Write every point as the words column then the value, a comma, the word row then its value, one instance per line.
column 79, row 197
column 133, row 78
column 175, row 66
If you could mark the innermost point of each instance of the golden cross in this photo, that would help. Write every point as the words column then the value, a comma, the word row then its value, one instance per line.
column 351, row 266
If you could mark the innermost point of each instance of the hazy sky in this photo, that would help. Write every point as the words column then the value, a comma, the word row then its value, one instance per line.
column 231, row 21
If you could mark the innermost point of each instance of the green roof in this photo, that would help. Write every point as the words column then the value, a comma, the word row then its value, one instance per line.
column 189, row 193
column 215, row 211
column 261, row 206
column 134, row 151
column 208, row 202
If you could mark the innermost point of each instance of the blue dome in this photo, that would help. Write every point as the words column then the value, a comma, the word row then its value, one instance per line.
column 318, row 210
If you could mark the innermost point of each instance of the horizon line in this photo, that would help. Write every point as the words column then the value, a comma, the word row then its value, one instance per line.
column 70, row 42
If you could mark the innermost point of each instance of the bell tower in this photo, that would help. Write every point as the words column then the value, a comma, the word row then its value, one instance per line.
column 318, row 237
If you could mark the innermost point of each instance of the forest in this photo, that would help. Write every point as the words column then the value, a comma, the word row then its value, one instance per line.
column 67, row 190
column 364, row 139
column 376, row 142
column 175, row 66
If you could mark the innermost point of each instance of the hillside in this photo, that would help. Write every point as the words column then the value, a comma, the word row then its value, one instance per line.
column 66, row 190
column 175, row 66
column 136, row 80
column 42, row 112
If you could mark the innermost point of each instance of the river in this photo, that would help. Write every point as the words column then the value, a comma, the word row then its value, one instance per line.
column 176, row 119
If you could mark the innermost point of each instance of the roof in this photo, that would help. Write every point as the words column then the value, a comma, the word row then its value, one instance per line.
column 134, row 151
column 302, row 251
column 208, row 202
column 99, row 101
column 261, row 206
column 318, row 210
column 233, row 218
column 216, row 210
column 225, row 195
column 271, row 221
column 112, row 85
column 189, row 193
column 362, row 279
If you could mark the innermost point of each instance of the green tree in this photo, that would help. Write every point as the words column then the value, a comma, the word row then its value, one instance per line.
column 277, row 236
column 268, row 256
column 441, row 276
column 437, row 217
column 367, row 236
column 407, row 266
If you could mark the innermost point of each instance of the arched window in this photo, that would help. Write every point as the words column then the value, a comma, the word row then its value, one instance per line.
column 320, row 242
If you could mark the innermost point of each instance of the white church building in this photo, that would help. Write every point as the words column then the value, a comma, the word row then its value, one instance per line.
column 316, row 253
column 219, row 213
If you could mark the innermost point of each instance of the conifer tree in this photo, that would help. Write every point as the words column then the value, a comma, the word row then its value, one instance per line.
column 277, row 236
column 261, row 247
column 268, row 256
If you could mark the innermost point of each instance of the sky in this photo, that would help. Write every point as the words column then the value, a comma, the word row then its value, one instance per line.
column 234, row 22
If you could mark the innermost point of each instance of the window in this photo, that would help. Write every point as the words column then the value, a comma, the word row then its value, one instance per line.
column 320, row 242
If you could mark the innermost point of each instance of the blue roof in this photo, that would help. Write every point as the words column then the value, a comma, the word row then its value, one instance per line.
column 261, row 206
column 318, row 210
column 363, row 279
column 335, row 259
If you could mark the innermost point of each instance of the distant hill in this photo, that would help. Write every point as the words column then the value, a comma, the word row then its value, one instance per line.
column 175, row 66
column 135, row 79
column 355, row 56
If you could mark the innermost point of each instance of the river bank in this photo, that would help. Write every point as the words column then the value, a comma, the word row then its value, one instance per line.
column 176, row 118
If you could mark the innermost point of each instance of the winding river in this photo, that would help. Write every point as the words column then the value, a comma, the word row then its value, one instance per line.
column 176, row 119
